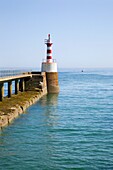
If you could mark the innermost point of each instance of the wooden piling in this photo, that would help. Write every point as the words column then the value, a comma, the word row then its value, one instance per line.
column 1, row 91
column 16, row 86
column 9, row 88
column 22, row 85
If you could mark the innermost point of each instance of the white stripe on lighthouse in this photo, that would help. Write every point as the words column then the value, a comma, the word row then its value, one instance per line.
column 49, row 48
column 49, row 54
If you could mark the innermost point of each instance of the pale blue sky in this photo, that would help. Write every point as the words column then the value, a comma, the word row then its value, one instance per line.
column 81, row 30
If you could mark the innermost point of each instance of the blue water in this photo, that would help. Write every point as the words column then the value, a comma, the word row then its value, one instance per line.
column 72, row 130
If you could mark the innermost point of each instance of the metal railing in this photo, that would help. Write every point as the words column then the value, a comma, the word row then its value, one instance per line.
column 11, row 72
column 53, row 60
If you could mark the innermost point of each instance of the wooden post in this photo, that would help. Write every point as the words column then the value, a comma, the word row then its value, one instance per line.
column 22, row 85
column 1, row 91
column 16, row 86
column 9, row 88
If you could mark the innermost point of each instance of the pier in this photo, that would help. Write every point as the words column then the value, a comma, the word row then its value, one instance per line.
column 19, row 80
column 27, row 89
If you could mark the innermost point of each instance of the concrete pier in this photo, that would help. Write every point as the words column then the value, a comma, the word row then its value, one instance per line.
column 18, row 86
column 28, row 89
column 34, row 81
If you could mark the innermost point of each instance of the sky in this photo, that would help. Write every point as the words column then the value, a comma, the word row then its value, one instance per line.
column 81, row 31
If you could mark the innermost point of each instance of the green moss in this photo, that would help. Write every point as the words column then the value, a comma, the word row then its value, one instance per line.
column 15, row 100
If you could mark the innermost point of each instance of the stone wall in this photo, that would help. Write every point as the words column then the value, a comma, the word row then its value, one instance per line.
column 52, row 82
column 37, row 82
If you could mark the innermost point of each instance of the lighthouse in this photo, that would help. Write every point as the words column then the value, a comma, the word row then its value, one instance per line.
column 49, row 66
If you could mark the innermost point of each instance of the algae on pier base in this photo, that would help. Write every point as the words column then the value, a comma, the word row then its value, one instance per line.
column 10, row 108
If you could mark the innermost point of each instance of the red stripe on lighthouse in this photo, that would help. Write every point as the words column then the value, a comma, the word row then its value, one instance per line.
column 49, row 57
column 49, row 49
column 49, row 44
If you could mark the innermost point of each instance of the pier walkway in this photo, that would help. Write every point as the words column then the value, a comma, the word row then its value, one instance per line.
column 19, row 80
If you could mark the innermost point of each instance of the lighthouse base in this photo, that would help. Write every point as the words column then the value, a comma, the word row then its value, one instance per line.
column 49, row 67
column 52, row 82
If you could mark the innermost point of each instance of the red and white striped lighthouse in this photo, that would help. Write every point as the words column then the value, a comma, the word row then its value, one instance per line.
column 49, row 49
column 49, row 65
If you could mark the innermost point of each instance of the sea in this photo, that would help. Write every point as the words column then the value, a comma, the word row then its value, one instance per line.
column 72, row 130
